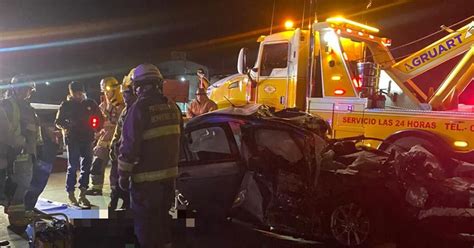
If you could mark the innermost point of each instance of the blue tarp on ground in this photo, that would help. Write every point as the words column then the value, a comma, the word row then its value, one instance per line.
column 49, row 207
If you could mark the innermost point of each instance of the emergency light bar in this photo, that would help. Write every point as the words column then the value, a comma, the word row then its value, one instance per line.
column 351, row 24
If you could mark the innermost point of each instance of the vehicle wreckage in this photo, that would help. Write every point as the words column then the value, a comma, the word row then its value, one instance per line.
column 277, row 173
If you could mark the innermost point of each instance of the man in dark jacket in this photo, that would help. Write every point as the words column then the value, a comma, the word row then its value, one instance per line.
column 149, row 155
column 79, row 118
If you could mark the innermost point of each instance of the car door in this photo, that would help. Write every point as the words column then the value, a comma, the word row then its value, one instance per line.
column 281, row 167
column 211, row 171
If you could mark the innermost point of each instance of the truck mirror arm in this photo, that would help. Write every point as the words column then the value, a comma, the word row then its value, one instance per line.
column 253, row 82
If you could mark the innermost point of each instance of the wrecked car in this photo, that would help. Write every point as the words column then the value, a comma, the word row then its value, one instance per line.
column 278, row 174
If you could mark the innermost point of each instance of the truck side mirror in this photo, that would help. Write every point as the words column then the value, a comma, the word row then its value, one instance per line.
column 242, row 61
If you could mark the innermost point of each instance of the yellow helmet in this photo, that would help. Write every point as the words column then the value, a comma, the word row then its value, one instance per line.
column 110, row 84
column 127, row 81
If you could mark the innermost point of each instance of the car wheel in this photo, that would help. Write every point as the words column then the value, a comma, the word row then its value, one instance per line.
column 350, row 225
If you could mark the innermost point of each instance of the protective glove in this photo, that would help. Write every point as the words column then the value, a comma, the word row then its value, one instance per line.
column 124, row 183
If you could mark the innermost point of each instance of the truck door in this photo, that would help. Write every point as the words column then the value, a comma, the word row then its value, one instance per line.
column 272, row 87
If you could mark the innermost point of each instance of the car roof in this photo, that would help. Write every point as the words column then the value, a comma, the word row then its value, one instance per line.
column 250, row 113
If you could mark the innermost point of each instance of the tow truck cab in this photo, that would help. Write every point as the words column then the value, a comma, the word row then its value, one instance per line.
column 345, row 73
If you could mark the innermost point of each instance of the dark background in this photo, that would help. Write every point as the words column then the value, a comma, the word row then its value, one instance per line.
column 59, row 41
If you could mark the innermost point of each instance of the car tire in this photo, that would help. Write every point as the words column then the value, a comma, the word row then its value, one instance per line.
column 351, row 224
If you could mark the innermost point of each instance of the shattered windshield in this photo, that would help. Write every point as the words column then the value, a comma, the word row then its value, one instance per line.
column 280, row 143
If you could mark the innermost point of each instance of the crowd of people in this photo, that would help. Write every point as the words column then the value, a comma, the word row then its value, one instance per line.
column 135, row 128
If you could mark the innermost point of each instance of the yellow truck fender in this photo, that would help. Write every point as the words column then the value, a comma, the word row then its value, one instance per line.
column 430, row 141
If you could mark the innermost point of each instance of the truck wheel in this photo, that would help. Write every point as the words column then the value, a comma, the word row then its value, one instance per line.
column 404, row 144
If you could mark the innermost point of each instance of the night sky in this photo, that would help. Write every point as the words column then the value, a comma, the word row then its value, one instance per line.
column 58, row 41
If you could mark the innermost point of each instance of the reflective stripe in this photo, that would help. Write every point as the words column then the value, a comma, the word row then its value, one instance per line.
column 16, row 208
column 125, row 166
column 161, row 131
column 98, row 186
column 103, row 144
column 22, row 157
column 152, row 176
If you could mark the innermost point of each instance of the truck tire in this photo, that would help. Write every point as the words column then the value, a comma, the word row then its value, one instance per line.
column 404, row 144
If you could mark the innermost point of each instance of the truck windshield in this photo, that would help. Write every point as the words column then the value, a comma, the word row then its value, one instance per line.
column 273, row 56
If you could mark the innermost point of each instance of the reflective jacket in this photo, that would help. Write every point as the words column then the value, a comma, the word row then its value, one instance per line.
column 10, row 124
column 198, row 108
column 149, row 150
column 74, row 118
column 24, row 133
column 111, row 114
column 4, row 133
column 115, row 142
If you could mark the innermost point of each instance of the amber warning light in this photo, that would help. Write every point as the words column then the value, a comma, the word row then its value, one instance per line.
column 94, row 122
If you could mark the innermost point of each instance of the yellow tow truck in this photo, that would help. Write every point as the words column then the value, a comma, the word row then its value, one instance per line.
column 341, row 70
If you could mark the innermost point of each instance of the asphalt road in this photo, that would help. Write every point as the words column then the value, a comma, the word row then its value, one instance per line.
column 228, row 235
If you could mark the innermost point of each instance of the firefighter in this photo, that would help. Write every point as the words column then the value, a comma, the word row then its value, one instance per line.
column 116, row 192
column 148, row 161
column 21, row 142
column 111, row 109
column 201, row 104
column 79, row 118
column 203, row 81
column 4, row 132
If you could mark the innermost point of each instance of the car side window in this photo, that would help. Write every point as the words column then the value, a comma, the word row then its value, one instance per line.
column 208, row 144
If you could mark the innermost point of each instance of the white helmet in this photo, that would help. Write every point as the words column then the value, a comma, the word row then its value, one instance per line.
column 146, row 74
column 20, row 81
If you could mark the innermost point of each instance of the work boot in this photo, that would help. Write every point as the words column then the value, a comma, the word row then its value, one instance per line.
column 72, row 198
column 4, row 242
column 17, row 221
column 82, row 198
column 20, row 230
column 94, row 192
column 125, row 196
column 113, row 200
column 125, row 204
